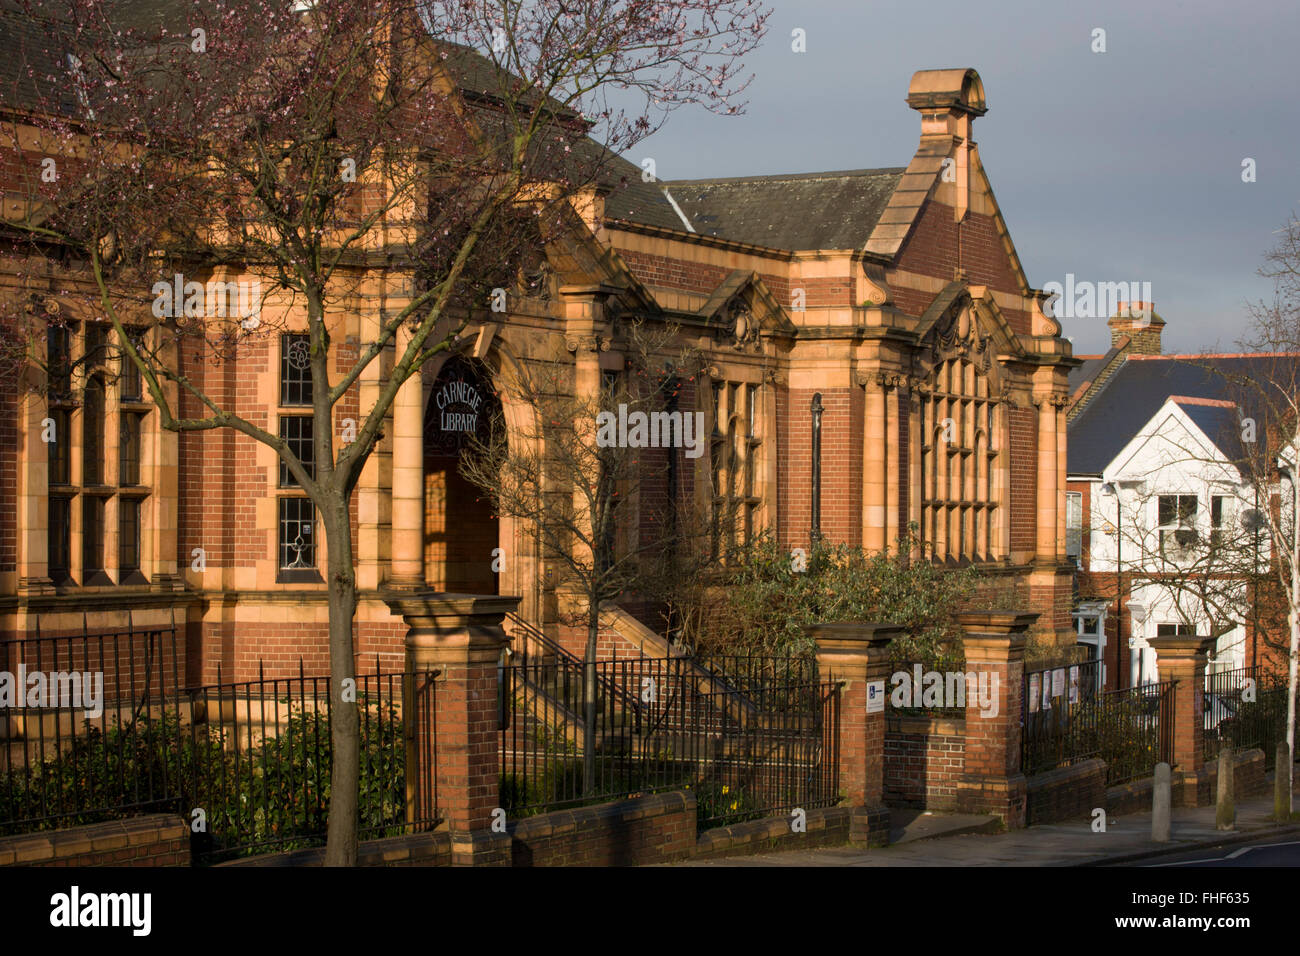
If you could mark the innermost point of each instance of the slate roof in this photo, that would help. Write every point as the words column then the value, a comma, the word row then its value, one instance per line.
column 1144, row 383
column 793, row 211
column 1221, row 424
column 1090, row 369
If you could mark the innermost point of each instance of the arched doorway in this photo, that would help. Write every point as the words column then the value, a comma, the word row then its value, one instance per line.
column 460, row 528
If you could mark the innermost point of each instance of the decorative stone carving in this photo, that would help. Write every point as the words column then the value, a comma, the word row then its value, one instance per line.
column 586, row 343
column 739, row 328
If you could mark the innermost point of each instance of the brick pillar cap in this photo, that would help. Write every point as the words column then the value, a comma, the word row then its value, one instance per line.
column 853, row 633
column 996, row 622
column 423, row 604
column 1176, row 648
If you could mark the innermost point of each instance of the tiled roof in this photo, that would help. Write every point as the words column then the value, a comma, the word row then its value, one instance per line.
column 833, row 210
column 1252, row 383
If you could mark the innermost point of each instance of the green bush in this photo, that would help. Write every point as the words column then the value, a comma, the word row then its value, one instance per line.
column 760, row 603
column 276, row 792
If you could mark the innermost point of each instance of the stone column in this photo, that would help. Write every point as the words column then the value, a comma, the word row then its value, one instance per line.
column 891, row 463
column 857, row 655
column 1182, row 659
column 915, row 438
column 408, row 478
column 1047, row 483
column 874, row 478
column 459, row 637
column 1062, row 446
column 994, row 643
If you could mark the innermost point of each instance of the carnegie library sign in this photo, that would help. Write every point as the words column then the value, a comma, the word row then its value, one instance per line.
column 459, row 404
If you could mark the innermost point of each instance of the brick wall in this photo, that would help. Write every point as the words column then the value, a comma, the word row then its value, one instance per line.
column 611, row 645
column 1023, row 498
column 841, row 457
column 412, row 849
column 938, row 244
column 1066, row 793
column 657, row 828
column 652, row 829
column 924, row 759
column 155, row 840
column 277, row 648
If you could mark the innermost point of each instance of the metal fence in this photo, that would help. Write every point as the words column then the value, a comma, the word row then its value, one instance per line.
column 247, row 763
column 751, row 739
column 1244, row 708
column 1068, row 718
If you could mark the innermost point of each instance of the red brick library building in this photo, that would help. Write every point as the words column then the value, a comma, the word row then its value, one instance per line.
column 884, row 311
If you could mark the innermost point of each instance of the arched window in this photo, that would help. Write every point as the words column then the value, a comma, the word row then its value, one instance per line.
column 960, row 444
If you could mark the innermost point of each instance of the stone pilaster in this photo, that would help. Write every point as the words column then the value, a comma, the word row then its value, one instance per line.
column 408, row 478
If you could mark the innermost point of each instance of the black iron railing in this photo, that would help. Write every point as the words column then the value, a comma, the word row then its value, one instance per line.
column 1131, row 730
column 1242, row 709
column 745, row 755
column 246, row 763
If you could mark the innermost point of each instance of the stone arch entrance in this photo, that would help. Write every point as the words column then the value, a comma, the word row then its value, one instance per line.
column 460, row 528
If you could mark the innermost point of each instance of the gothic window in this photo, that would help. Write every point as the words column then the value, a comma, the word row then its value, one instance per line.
column 129, row 448
column 733, row 449
column 295, row 369
column 960, row 444
column 60, row 538
column 297, row 431
column 59, row 361
column 128, row 535
column 86, row 418
column 298, row 539
column 130, row 384
column 92, row 434
column 60, row 446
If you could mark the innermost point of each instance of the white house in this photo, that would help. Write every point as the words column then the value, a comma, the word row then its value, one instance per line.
column 1162, row 518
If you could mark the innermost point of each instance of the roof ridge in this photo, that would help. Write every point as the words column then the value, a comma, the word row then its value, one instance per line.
column 1194, row 400
column 782, row 177
column 1212, row 355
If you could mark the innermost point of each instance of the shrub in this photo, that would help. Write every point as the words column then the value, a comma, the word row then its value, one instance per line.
column 760, row 603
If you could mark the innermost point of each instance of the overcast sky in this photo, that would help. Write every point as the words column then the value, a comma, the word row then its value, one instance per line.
column 1116, row 166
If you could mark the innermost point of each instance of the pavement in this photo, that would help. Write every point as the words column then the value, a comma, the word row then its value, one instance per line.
column 939, row 839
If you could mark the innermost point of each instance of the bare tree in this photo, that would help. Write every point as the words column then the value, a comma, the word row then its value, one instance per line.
column 398, row 153
column 1236, row 561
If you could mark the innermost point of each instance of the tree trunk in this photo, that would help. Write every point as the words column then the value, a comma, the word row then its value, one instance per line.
column 341, row 844
column 589, row 707
column 1294, row 617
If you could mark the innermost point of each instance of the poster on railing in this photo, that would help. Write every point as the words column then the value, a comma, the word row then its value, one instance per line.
column 1074, row 685
column 1058, row 682
column 1033, row 693
column 1047, row 691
